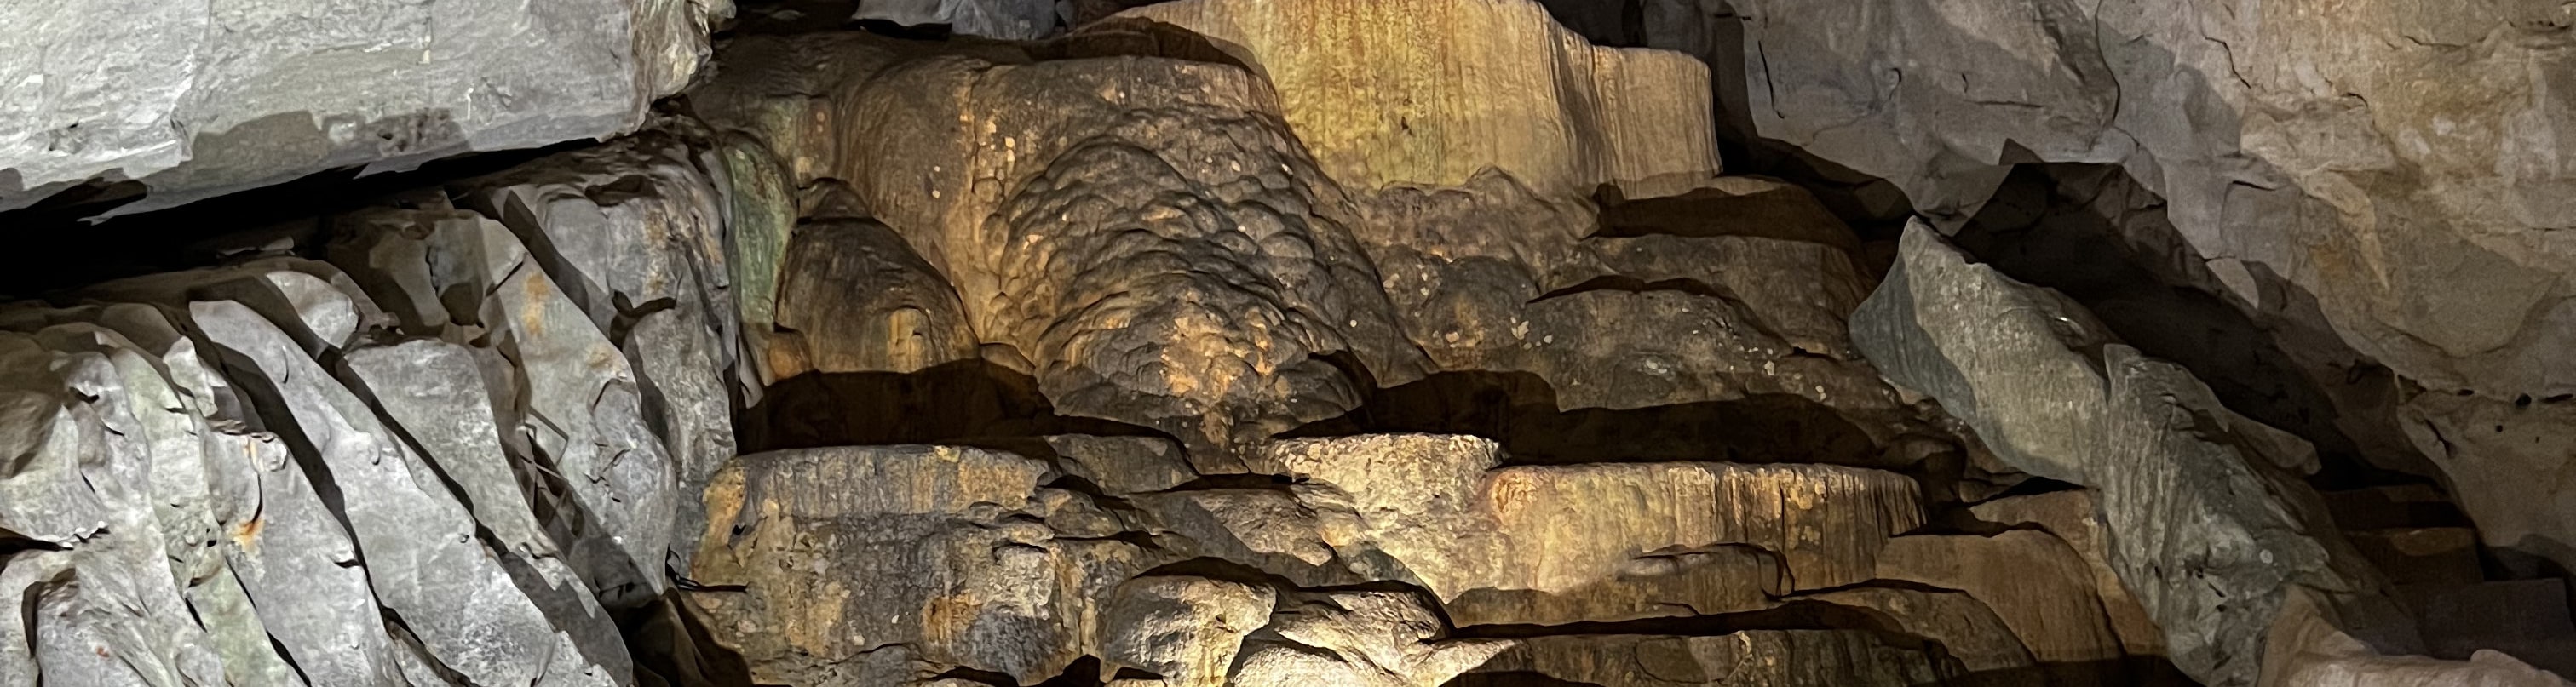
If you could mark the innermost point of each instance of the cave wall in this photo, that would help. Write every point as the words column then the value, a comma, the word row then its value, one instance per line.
column 1211, row 342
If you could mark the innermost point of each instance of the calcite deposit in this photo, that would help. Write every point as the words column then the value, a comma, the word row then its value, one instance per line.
column 1286, row 343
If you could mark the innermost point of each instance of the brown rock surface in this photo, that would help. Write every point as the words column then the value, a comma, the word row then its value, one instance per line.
column 1020, row 182
column 1430, row 92
column 1755, row 658
column 2032, row 580
column 815, row 559
column 1324, row 342
column 2070, row 516
column 1519, row 544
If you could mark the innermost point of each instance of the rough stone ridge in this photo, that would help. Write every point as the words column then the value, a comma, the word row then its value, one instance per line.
column 199, row 99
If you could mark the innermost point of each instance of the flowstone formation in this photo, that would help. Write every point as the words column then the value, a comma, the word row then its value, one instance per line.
column 1418, row 343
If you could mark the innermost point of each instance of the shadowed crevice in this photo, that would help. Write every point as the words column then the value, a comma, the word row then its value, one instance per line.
column 1520, row 411
column 968, row 402
column 2095, row 234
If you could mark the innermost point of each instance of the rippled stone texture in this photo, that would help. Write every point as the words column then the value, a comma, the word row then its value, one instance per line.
column 1467, row 85
column 1025, row 185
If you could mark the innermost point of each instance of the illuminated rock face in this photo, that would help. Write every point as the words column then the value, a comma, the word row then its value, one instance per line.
column 199, row 99
column 1286, row 343
column 1454, row 87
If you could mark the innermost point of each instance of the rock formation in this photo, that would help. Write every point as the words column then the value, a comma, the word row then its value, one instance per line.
column 992, row 343
column 2379, row 183
column 194, row 100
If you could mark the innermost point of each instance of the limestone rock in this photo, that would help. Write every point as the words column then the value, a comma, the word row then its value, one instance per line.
column 1737, row 315
column 1969, row 630
column 2500, row 461
column 1429, row 92
column 2025, row 375
column 567, row 396
column 91, row 437
column 1753, row 658
column 857, row 299
column 234, row 628
column 2026, row 355
column 422, row 556
column 842, row 553
column 1122, row 466
column 633, row 233
column 432, row 390
column 1362, row 639
column 2373, row 184
column 1017, row 180
column 200, row 99
column 759, row 216
column 1184, row 629
column 1245, row 301
column 1459, row 524
column 2071, row 516
column 1269, row 529
column 1003, row 19
column 2305, row 649
column 2032, row 580
column 313, row 301
column 88, row 627
column 2178, row 476
column 2323, row 172
column 188, row 496
column 46, row 498
column 1517, row 544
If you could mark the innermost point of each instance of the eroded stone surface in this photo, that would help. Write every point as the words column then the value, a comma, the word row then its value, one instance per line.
column 207, row 98
column 842, row 552
column 1128, row 232
column 1508, row 89
column 570, row 399
column 2037, row 585
column 1004, row 19
column 1184, row 629
column 2178, row 476
column 1366, row 639
column 1764, row 658
column 2070, row 515
column 2380, row 184
column 426, row 565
